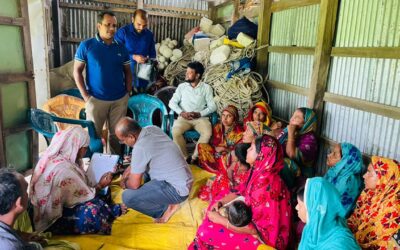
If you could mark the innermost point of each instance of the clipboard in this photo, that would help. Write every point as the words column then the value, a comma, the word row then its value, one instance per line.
column 99, row 165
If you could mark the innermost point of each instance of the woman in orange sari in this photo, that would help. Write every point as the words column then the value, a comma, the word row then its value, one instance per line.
column 216, row 156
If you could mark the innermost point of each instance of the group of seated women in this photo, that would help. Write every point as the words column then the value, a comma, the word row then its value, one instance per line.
column 264, row 173
column 347, row 208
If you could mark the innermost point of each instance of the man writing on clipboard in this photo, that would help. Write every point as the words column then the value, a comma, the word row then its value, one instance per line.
column 156, row 155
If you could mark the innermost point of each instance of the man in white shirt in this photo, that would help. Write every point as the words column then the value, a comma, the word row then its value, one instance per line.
column 193, row 101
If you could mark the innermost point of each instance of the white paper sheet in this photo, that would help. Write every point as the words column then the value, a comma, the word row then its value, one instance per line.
column 99, row 165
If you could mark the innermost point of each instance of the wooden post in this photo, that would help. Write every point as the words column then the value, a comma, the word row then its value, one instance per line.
column 322, row 56
column 264, row 28
column 235, row 14
column 212, row 11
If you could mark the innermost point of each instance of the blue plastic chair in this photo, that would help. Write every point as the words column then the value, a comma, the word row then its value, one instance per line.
column 72, row 92
column 143, row 107
column 193, row 134
column 44, row 123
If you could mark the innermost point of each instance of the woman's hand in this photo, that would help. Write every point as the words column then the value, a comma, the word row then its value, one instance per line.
column 292, row 129
column 105, row 180
column 124, row 177
column 215, row 217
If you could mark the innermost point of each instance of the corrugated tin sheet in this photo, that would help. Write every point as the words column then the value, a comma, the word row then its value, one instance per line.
column 372, row 134
column 368, row 23
column 80, row 23
column 375, row 80
column 290, row 69
column 284, row 103
column 295, row 27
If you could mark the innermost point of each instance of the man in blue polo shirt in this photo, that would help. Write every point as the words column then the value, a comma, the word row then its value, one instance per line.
column 139, row 41
column 108, row 77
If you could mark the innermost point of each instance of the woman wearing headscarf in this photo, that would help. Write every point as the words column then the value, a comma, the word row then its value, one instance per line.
column 216, row 156
column 300, row 146
column 375, row 221
column 345, row 173
column 63, row 199
column 319, row 206
column 266, row 195
column 261, row 113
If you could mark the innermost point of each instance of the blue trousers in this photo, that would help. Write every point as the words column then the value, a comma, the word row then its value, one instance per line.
column 152, row 198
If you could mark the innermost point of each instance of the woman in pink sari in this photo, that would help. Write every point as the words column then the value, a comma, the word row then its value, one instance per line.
column 267, row 196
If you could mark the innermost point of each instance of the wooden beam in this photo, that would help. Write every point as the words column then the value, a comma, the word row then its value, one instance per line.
column 263, row 35
column 16, row 129
column 322, row 57
column 378, row 52
column 292, row 50
column 288, row 87
column 121, row 2
column 6, row 78
column 3, row 158
column 290, row 4
column 212, row 12
column 18, row 21
column 168, row 8
column 155, row 13
column 371, row 107
column 235, row 15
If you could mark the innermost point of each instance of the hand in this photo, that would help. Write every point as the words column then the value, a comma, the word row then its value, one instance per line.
column 291, row 129
column 186, row 115
column 32, row 237
column 215, row 217
column 139, row 58
column 86, row 97
column 195, row 115
column 105, row 180
column 124, row 177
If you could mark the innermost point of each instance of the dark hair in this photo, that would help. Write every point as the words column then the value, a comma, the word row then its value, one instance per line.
column 197, row 66
column 10, row 190
column 258, row 143
column 241, row 153
column 129, row 126
column 303, row 111
column 100, row 16
column 141, row 13
column 300, row 193
column 239, row 214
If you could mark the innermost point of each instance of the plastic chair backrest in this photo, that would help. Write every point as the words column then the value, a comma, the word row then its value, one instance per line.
column 72, row 92
column 165, row 94
column 143, row 107
column 44, row 123
column 65, row 106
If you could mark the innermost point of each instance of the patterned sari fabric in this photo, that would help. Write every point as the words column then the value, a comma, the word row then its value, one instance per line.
column 269, row 199
column 215, row 162
column 346, row 176
column 325, row 227
column 376, row 217
column 306, row 150
column 58, row 182
column 266, row 109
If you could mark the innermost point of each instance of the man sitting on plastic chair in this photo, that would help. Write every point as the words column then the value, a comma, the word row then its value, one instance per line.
column 193, row 101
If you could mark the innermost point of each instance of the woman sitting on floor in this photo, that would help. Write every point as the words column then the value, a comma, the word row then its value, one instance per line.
column 62, row 199
column 227, row 181
column 261, row 113
column 216, row 156
column 375, row 221
column 268, row 198
column 319, row 206
column 345, row 173
column 300, row 147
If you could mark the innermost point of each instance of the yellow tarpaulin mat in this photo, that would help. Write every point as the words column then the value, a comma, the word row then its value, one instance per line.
column 137, row 231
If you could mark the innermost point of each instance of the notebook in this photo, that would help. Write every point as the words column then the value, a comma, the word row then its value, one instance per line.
column 99, row 165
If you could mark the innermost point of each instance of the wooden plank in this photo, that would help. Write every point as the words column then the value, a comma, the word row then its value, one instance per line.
column 264, row 28
column 34, row 145
column 292, row 50
column 377, row 52
column 16, row 129
column 6, row 78
column 155, row 13
column 291, row 4
column 235, row 14
column 212, row 12
column 288, row 87
column 121, row 2
column 371, row 107
column 322, row 57
column 168, row 8
column 18, row 21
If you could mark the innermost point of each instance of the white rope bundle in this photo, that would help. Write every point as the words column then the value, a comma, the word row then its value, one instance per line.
column 176, row 71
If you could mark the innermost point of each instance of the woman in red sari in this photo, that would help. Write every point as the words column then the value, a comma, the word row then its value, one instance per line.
column 261, row 112
column 267, row 196
column 216, row 156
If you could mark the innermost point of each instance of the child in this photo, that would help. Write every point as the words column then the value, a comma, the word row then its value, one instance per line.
column 237, row 172
column 237, row 212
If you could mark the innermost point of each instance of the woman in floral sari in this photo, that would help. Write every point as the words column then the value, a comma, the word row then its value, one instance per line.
column 300, row 146
column 216, row 156
column 345, row 173
column 375, row 221
column 62, row 199
column 267, row 196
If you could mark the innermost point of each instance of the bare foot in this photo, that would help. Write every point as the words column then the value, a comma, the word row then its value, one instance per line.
column 124, row 209
column 172, row 208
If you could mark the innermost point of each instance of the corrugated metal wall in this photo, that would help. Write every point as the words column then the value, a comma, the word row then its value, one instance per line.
column 284, row 103
column 78, row 24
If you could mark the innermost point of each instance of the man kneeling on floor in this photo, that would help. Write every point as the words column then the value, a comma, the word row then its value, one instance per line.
column 156, row 157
